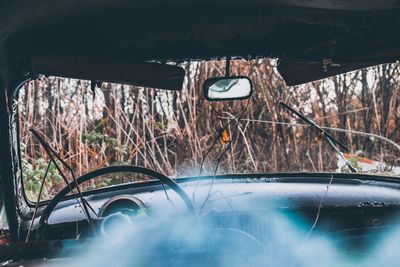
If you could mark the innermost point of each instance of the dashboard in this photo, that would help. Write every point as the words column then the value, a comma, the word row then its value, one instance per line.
column 264, row 213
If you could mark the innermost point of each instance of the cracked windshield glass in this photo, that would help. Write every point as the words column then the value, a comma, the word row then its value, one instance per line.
column 182, row 134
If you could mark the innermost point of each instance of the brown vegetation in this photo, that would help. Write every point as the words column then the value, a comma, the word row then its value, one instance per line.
column 171, row 131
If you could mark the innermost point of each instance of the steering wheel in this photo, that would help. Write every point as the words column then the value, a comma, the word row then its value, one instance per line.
column 106, row 170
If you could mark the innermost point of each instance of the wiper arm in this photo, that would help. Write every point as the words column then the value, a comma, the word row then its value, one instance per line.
column 331, row 140
column 53, row 156
column 315, row 126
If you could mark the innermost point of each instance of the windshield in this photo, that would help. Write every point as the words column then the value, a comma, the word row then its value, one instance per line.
column 172, row 131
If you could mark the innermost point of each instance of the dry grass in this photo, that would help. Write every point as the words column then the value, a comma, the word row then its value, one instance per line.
column 171, row 131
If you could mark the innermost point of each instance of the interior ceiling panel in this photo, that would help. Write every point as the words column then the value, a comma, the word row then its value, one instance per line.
column 357, row 32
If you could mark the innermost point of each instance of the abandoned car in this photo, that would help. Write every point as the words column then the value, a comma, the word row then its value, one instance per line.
column 199, row 133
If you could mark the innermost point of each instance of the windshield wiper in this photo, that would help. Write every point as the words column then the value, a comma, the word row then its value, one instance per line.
column 331, row 140
column 53, row 156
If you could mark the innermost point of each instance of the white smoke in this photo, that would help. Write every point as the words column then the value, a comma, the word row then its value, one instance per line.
column 188, row 241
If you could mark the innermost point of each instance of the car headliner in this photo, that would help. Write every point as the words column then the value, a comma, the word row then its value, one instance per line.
column 352, row 33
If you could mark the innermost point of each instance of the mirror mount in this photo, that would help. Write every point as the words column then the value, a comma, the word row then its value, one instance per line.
column 228, row 67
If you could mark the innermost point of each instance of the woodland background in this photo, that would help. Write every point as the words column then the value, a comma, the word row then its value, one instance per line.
column 171, row 131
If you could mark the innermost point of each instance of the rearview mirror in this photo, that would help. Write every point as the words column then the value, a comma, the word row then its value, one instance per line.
column 231, row 88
